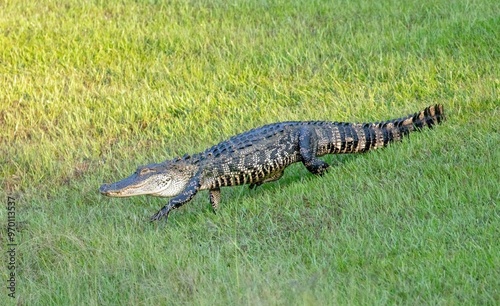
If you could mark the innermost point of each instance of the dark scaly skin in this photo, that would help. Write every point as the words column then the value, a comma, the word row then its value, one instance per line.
column 262, row 154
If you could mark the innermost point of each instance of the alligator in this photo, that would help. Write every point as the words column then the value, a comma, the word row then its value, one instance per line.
column 261, row 155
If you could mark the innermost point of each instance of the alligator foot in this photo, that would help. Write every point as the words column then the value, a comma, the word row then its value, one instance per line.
column 319, row 167
column 162, row 213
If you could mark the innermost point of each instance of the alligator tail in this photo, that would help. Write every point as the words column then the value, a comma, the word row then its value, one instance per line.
column 383, row 133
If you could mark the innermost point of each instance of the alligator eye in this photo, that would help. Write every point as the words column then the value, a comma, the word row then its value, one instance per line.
column 144, row 171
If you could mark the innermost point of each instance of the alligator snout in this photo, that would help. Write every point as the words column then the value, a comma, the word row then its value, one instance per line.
column 104, row 189
column 110, row 190
column 119, row 189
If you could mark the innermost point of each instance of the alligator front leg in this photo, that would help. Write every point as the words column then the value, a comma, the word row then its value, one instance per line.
column 189, row 192
column 308, row 146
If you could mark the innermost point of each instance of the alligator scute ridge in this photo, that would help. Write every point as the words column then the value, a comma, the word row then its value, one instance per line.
column 261, row 155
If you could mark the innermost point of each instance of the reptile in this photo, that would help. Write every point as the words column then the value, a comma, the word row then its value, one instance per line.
column 261, row 155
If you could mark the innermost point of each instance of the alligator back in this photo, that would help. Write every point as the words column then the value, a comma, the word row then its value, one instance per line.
column 251, row 157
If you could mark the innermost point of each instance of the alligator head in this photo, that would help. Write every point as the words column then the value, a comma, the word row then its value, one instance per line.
column 166, row 179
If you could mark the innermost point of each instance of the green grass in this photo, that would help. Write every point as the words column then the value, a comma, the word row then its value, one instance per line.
column 89, row 91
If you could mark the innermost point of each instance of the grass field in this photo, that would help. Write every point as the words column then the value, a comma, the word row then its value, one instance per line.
column 90, row 90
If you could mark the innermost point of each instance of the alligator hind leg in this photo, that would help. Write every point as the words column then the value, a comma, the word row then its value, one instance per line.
column 214, row 199
column 308, row 146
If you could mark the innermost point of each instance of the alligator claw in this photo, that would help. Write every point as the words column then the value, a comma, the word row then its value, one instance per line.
column 159, row 215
